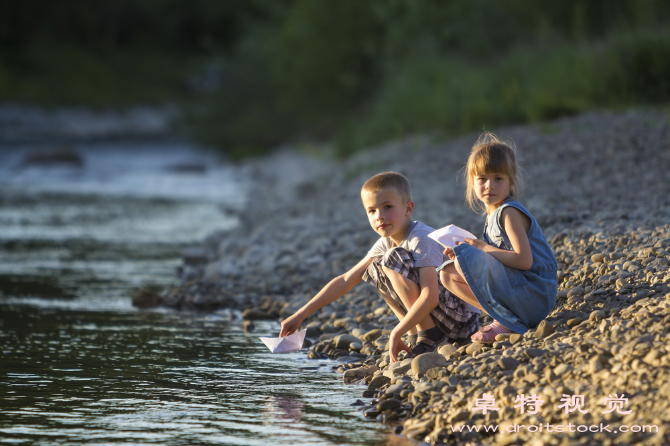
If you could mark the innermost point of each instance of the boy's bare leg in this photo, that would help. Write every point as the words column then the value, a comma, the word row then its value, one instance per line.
column 408, row 292
column 397, row 310
column 453, row 279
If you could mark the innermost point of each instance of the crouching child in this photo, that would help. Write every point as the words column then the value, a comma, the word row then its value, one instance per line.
column 402, row 266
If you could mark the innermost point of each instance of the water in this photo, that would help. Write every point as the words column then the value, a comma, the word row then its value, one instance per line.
column 80, row 365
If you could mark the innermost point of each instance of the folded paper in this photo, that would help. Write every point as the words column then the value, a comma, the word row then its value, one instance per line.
column 450, row 235
column 287, row 344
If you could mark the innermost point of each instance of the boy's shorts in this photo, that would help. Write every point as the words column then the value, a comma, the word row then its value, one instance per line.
column 451, row 316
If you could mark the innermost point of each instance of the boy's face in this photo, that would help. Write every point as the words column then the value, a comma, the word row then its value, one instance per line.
column 388, row 215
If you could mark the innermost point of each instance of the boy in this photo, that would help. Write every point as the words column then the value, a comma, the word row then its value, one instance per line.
column 402, row 266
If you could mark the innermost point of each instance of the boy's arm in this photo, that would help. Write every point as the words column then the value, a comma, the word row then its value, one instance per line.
column 428, row 299
column 335, row 289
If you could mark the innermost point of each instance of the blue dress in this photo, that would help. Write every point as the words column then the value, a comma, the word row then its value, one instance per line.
column 518, row 299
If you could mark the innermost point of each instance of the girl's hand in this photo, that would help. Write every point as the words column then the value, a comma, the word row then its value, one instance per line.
column 395, row 345
column 290, row 325
column 479, row 244
column 450, row 253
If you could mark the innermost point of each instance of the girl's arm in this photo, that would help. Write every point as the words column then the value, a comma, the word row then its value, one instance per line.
column 516, row 225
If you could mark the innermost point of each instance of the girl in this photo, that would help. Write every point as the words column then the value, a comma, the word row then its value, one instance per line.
column 511, row 273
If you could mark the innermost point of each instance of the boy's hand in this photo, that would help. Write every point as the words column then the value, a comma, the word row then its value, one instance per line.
column 290, row 325
column 395, row 345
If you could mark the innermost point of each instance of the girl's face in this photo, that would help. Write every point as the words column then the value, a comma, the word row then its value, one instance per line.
column 492, row 188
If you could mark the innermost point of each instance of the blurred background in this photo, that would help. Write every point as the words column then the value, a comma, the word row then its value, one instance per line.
column 249, row 75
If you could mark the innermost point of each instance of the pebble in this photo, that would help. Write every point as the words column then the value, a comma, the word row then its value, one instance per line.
column 426, row 361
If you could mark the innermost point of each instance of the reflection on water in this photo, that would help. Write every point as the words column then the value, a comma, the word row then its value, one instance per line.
column 77, row 376
column 80, row 365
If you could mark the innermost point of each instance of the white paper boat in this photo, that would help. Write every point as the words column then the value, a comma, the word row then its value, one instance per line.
column 287, row 344
column 449, row 235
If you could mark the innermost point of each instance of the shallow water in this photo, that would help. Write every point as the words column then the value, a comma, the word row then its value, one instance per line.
column 80, row 365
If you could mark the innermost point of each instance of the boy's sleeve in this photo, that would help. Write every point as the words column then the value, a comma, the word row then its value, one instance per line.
column 378, row 249
column 427, row 252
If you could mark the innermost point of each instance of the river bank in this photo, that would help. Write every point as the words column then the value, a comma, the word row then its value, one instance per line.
column 597, row 185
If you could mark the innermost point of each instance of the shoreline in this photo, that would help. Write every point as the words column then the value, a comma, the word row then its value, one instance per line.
column 595, row 184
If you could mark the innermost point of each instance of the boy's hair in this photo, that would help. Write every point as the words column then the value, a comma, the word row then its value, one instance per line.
column 491, row 155
column 389, row 180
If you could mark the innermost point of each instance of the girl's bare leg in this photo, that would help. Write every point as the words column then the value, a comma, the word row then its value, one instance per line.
column 452, row 278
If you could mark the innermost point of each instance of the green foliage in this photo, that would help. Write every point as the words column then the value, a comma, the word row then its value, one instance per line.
column 355, row 72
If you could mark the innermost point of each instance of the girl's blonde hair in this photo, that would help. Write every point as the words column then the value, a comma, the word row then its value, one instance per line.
column 491, row 155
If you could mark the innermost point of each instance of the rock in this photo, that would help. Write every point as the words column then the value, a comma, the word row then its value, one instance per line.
column 446, row 349
column 401, row 367
column 378, row 381
column 248, row 326
column 515, row 338
column 426, row 361
column 372, row 335
column 313, row 329
column 355, row 346
column 576, row 292
column 435, row 373
column 388, row 404
column 311, row 354
column 561, row 369
column 146, row 299
column 502, row 337
column 534, row 352
column 597, row 315
column 575, row 321
column 354, row 374
column 544, row 329
column 344, row 341
column 598, row 258
column 508, row 363
column 52, row 156
column 195, row 255
column 254, row 314
column 474, row 348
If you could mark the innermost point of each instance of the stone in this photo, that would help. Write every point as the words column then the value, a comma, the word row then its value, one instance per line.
column 575, row 321
column 435, row 373
column 562, row 369
column 446, row 349
column 195, row 255
column 372, row 335
column 55, row 155
column 508, row 363
column 400, row 367
column 598, row 258
column 474, row 348
column 544, row 329
column 515, row 338
column 344, row 341
column 534, row 352
column 388, row 404
column 248, row 326
column 597, row 315
column 378, row 381
column 576, row 292
column 146, row 299
column 426, row 361
column 394, row 388
column 502, row 337
column 313, row 330
column 255, row 314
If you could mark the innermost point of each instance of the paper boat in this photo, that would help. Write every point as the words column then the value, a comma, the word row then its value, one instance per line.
column 449, row 235
column 287, row 344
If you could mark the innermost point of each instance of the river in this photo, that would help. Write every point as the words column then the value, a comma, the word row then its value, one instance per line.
column 80, row 365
